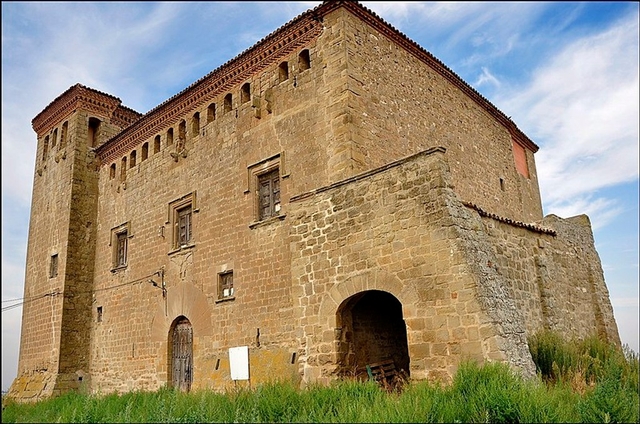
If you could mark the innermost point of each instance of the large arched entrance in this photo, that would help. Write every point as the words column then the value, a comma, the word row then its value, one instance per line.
column 181, row 354
column 371, row 332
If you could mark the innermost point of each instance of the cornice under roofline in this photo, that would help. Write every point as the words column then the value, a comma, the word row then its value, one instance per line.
column 279, row 44
column 74, row 97
column 414, row 48
column 256, row 58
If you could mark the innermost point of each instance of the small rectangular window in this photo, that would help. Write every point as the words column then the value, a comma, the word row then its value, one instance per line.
column 225, row 285
column 269, row 194
column 99, row 311
column 53, row 266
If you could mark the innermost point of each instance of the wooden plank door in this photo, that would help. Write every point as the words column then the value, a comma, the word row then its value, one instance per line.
column 182, row 355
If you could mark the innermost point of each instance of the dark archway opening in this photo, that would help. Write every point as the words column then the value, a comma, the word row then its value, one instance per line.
column 181, row 354
column 372, row 336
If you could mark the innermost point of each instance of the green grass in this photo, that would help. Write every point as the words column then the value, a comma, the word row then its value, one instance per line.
column 578, row 381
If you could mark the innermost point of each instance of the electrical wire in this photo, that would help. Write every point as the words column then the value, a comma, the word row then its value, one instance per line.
column 23, row 300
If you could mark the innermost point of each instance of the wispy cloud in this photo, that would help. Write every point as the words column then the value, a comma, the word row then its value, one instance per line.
column 486, row 78
column 583, row 104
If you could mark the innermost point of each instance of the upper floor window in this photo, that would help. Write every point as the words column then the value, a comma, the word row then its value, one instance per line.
column 225, row 285
column 63, row 134
column 120, row 244
column 53, row 266
column 94, row 128
column 269, row 194
column 45, row 148
column 181, row 219
column 156, row 144
column 121, row 249
column 183, row 226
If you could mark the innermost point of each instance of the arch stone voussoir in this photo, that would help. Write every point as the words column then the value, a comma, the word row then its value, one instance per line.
column 368, row 280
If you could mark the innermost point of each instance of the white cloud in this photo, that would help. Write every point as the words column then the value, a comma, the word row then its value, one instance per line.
column 486, row 78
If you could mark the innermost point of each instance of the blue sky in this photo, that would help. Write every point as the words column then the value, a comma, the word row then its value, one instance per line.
column 566, row 72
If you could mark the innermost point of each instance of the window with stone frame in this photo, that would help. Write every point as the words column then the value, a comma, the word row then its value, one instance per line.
column 269, row 194
column 264, row 184
column 121, row 249
column 225, row 285
column 120, row 236
column 181, row 220
column 183, row 226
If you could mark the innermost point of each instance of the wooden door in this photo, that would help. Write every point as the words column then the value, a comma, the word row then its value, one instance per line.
column 182, row 355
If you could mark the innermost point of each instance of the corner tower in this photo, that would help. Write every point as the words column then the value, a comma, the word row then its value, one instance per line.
column 56, row 316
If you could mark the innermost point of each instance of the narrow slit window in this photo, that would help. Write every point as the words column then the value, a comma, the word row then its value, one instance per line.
column 211, row 113
column 283, row 72
column 228, row 103
column 145, row 152
column 169, row 136
column 99, row 314
column 245, row 93
column 63, row 134
column 132, row 160
column 121, row 249
column 182, row 132
column 120, row 236
column 112, row 171
column 123, row 169
column 195, row 124
column 45, row 148
column 94, row 129
column 304, row 61
column 53, row 266
column 156, row 144
column 54, row 139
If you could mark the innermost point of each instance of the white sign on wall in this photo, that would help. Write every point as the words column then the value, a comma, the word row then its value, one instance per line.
column 239, row 362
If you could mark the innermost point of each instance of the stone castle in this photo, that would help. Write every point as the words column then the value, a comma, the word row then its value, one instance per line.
column 334, row 199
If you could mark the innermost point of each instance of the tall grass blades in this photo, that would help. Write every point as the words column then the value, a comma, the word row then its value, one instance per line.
column 578, row 381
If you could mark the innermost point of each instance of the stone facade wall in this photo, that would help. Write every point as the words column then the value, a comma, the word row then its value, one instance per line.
column 217, row 167
column 403, row 231
column 556, row 280
column 394, row 97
